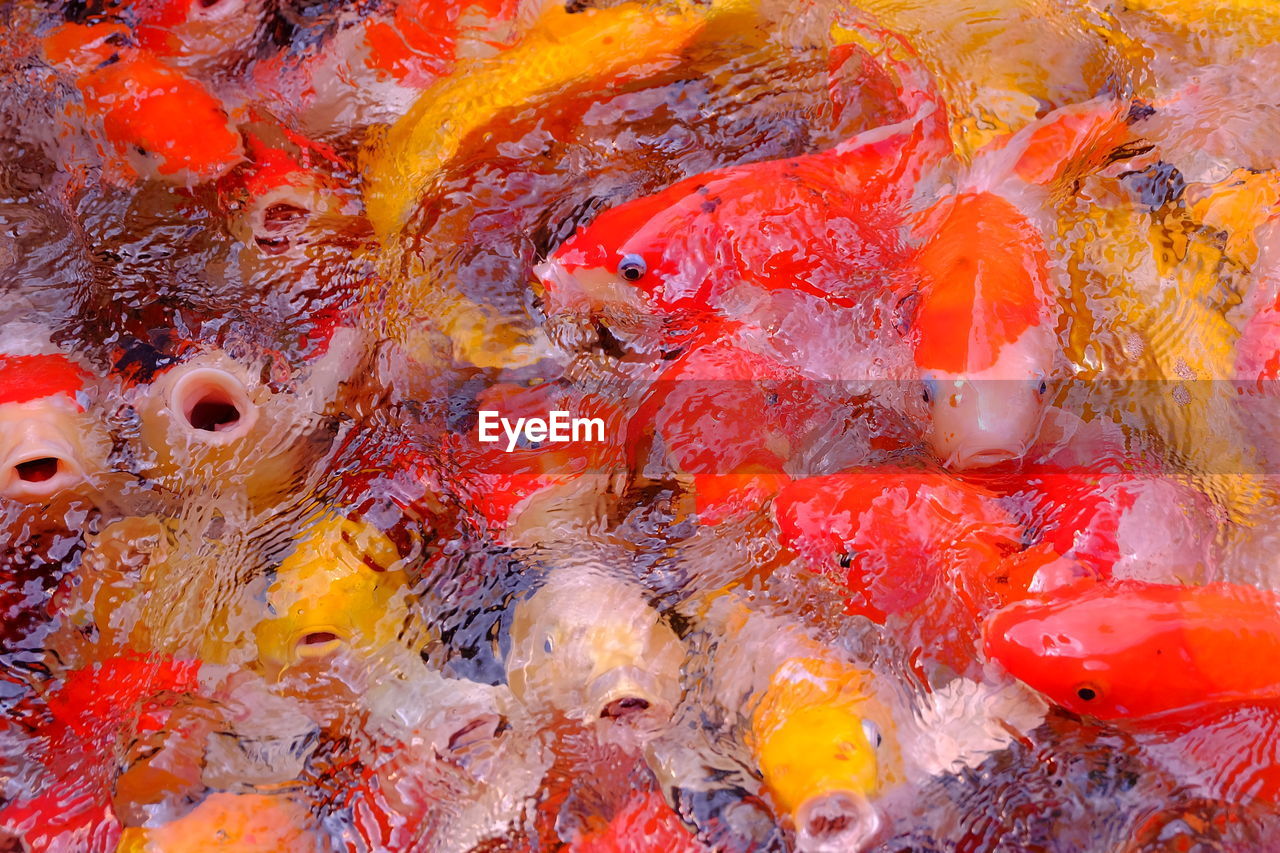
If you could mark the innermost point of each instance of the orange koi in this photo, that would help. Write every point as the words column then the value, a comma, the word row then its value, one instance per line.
column 1131, row 649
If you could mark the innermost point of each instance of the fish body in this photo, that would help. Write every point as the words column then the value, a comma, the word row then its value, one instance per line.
column 516, row 483
column 1156, row 290
column 892, row 539
column 721, row 409
column 231, row 822
column 718, row 246
column 26, row 378
column 87, row 714
column 1119, row 524
column 646, row 822
column 1132, row 649
column 562, row 50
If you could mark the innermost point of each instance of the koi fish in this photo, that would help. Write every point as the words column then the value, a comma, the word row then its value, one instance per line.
column 230, row 821
column 1130, row 649
column 275, row 200
column 341, row 587
column 467, row 764
column 163, row 124
column 45, row 444
column 1151, row 328
column 820, row 729
column 419, row 43
column 985, row 324
column 589, row 646
column 186, row 32
column 212, row 422
column 563, row 49
column 716, row 246
column 710, row 247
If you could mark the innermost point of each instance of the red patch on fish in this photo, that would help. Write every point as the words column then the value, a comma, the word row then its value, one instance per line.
column 645, row 824
column 31, row 377
column 891, row 538
column 102, row 696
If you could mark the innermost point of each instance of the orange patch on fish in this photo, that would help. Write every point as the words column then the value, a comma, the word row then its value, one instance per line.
column 150, row 109
column 1131, row 649
column 983, row 279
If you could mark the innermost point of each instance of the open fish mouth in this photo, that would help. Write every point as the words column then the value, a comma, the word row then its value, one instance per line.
column 601, row 353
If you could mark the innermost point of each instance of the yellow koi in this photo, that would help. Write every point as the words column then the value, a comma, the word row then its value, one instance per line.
column 562, row 49
column 328, row 594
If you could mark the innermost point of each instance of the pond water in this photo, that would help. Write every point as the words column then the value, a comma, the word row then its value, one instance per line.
column 706, row 425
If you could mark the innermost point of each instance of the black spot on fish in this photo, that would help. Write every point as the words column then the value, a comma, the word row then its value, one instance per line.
column 141, row 360
column 1139, row 111
column 1157, row 185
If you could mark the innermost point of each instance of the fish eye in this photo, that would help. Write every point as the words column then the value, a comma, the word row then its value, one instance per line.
column 1088, row 692
column 1043, row 387
column 632, row 267
column 930, row 391
column 872, row 733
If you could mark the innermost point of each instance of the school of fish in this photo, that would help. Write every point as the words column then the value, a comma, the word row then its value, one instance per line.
column 639, row 425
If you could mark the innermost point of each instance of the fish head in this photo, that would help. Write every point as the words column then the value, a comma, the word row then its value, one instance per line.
column 826, row 749
column 978, row 422
column 1051, row 652
column 634, row 273
column 985, row 344
column 339, row 590
column 590, row 647
column 47, row 444
column 1112, row 651
column 165, row 124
